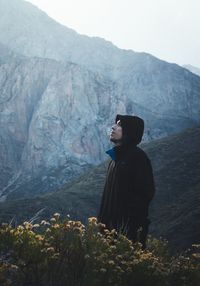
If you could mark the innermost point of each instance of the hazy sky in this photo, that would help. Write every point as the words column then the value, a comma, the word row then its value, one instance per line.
column 168, row 29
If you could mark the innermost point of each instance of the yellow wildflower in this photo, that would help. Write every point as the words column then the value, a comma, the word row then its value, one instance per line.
column 50, row 249
column 103, row 270
column 111, row 262
column 36, row 225
column 39, row 237
column 27, row 225
column 56, row 226
column 92, row 219
column 196, row 255
column 44, row 222
column 56, row 215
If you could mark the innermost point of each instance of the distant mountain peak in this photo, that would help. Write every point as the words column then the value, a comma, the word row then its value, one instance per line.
column 193, row 69
column 57, row 102
column 31, row 32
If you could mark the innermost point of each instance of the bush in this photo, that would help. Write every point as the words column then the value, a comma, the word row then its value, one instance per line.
column 65, row 252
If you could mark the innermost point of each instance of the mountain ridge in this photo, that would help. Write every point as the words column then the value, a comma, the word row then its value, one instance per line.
column 193, row 69
column 59, row 93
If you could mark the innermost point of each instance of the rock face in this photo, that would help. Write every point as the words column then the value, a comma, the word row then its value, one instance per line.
column 51, row 112
column 60, row 92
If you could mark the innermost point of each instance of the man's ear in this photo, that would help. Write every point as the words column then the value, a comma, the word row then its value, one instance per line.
column 117, row 118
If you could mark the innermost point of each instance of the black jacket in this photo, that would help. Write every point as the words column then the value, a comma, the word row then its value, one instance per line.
column 129, row 185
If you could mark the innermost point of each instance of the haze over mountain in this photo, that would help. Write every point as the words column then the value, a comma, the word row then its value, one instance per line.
column 193, row 69
column 60, row 92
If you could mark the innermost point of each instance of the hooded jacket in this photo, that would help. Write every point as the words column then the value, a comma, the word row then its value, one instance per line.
column 129, row 185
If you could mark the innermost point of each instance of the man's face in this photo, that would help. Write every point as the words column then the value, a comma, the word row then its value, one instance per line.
column 116, row 132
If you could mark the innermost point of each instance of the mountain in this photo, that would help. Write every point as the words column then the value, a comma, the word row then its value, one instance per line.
column 60, row 92
column 49, row 39
column 193, row 69
column 150, row 81
column 45, row 118
column 54, row 118
column 174, row 211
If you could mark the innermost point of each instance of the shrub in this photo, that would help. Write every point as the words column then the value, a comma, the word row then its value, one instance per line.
column 65, row 252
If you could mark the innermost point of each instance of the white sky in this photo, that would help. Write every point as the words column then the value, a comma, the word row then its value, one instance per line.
column 168, row 29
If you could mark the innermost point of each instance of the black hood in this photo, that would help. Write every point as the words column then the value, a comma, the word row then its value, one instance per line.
column 132, row 128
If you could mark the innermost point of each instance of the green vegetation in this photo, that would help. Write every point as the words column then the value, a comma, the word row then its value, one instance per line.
column 66, row 252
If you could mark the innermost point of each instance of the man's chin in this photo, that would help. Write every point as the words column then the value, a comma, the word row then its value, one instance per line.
column 115, row 140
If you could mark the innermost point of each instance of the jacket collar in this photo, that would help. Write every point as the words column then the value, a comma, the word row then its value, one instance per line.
column 111, row 153
column 119, row 152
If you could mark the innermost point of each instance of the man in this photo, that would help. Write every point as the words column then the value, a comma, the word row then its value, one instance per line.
column 129, row 185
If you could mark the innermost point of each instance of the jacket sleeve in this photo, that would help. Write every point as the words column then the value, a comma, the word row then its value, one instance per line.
column 148, row 186
column 142, row 188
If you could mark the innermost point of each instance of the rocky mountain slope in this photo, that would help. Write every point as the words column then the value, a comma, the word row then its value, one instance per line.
column 150, row 81
column 56, row 116
column 60, row 92
column 174, row 211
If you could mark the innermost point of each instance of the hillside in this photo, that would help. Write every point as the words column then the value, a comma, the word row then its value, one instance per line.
column 174, row 211
column 60, row 92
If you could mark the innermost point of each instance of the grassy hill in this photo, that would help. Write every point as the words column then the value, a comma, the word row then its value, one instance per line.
column 174, row 211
